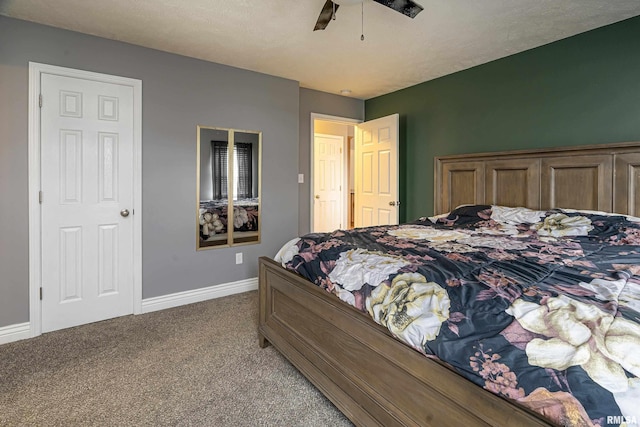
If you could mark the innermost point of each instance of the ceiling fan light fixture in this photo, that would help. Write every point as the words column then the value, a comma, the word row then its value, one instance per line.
column 328, row 13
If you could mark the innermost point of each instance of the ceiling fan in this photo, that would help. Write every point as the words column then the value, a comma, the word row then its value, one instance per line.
column 328, row 12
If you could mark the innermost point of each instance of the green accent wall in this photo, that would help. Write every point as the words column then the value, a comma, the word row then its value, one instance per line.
column 581, row 90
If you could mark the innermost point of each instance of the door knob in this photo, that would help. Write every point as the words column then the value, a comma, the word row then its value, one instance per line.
column 392, row 203
column 317, row 196
column 124, row 212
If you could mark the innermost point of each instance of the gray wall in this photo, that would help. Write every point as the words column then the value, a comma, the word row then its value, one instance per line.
column 313, row 101
column 178, row 94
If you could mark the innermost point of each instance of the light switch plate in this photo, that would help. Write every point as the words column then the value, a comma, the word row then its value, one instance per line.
column 239, row 258
column 300, row 178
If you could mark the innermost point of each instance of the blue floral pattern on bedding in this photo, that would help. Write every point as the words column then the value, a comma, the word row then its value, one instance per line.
column 540, row 307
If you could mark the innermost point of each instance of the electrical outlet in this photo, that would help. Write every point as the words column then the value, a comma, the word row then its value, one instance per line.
column 239, row 258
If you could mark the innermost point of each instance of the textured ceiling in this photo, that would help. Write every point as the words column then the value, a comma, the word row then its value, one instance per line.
column 276, row 37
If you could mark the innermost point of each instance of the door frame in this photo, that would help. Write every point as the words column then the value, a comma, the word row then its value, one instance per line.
column 34, row 167
column 345, row 166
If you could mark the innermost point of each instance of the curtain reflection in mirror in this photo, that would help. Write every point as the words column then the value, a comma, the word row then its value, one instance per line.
column 242, row 170
column 219, row 169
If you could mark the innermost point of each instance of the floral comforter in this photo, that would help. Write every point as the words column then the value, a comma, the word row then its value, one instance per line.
column 214, row 217
column 539, row 307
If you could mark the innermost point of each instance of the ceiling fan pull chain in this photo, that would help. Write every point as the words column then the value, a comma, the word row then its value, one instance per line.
column 333, row 16
column 362, row 11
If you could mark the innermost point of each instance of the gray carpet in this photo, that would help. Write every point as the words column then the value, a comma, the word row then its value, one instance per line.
column 195, row 365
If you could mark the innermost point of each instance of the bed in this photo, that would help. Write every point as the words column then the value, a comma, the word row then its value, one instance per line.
column 214, row 220
column 512, row 265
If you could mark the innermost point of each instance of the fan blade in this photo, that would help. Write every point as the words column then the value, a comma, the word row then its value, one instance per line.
column 406, row 7
column 325, row 15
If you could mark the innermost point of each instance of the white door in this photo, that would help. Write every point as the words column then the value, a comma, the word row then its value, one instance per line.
column 87, row 161
column 327, row 182
column 376, row 174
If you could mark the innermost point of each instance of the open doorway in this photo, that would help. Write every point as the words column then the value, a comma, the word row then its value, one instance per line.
column 332, row 172
column 354, row 172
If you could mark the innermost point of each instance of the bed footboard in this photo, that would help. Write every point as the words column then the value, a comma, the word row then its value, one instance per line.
column 370, row 376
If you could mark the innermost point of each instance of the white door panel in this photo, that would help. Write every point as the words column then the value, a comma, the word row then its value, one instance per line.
column 327, row 182
column 87, row 131
column 376, row 172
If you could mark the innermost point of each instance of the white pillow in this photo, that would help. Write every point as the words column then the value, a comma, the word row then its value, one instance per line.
column 508, row 215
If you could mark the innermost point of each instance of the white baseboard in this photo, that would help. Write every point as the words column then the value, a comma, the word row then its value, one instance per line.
column 19, row 331
column 197, row 295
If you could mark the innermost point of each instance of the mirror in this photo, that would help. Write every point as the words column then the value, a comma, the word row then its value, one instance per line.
column 229, row 169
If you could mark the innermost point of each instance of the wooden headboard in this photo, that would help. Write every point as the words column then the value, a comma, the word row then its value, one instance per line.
column 597, row 177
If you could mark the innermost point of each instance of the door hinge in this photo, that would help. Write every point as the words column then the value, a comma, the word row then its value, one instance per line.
column 40, row 196
column 40, row 294
column 40, row 100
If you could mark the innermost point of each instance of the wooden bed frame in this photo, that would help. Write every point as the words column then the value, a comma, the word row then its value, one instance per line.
column 375, row 379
